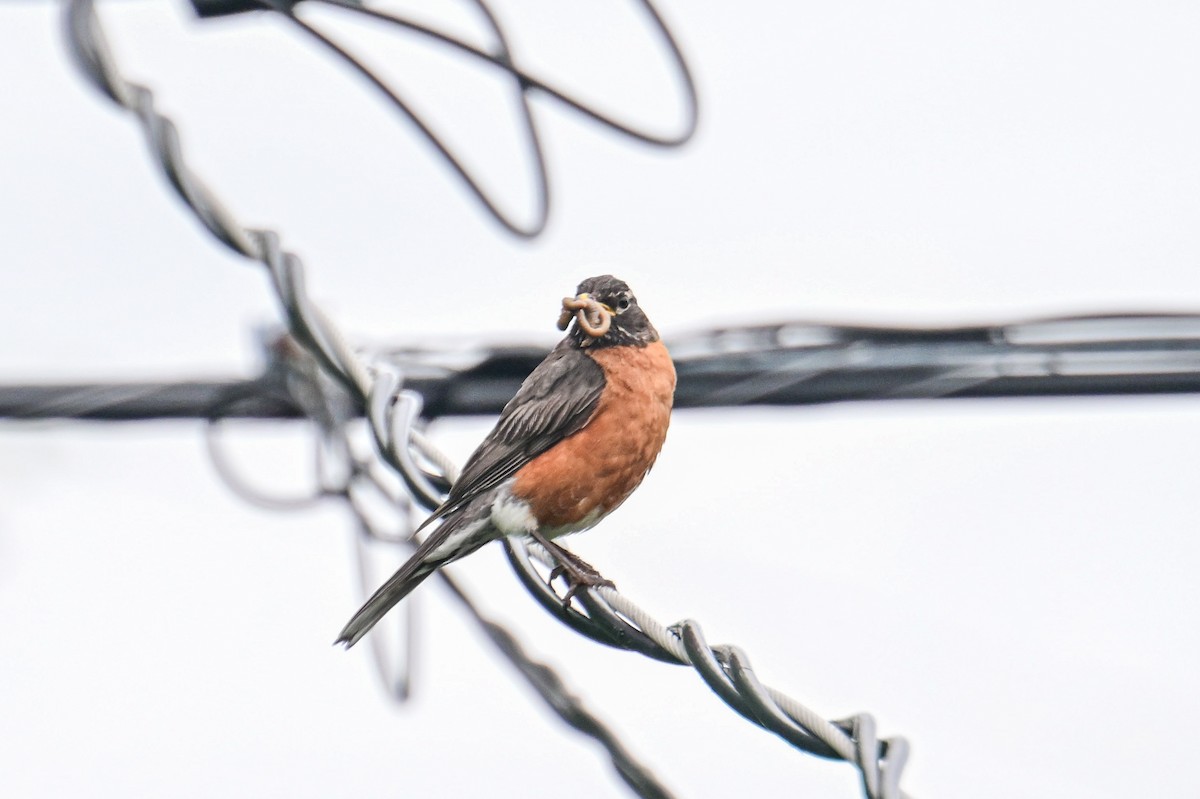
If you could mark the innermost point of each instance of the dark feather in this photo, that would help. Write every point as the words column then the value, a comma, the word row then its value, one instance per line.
column 407, row 577
column 557, row 399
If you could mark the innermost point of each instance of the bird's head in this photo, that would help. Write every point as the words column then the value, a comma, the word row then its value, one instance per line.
column 605, row 314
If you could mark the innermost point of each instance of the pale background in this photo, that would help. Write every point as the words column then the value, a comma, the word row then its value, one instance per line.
column 1010, row 585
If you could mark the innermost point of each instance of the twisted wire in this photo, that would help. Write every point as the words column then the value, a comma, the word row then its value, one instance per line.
column 615, row 620
column 392, row 413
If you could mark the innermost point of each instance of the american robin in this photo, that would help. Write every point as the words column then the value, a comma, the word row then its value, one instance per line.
column 572, row 444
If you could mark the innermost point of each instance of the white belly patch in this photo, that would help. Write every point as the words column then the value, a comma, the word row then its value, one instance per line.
column 512, row 516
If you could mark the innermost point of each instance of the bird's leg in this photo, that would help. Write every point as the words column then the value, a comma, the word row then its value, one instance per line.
column 579, row 573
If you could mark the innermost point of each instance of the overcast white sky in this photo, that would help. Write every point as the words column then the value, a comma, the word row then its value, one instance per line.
column 1010, row 585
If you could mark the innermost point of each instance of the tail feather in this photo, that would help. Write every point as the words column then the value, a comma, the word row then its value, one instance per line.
column 407, row 577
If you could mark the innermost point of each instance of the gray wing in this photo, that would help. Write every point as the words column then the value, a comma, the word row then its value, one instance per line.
column 557, row 399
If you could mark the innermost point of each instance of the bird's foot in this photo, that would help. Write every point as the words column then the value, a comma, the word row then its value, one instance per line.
column 579, row 576
column 578, row 573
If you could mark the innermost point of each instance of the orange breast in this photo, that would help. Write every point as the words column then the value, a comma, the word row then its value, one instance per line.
column 590, row 473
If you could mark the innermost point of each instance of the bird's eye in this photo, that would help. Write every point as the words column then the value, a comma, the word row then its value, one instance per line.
column 623, row 304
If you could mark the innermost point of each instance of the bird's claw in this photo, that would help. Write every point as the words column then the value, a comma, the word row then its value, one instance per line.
column 579, row 577
column 578, row 573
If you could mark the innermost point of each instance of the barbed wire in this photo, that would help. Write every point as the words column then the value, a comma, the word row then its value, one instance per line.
column 392, row 414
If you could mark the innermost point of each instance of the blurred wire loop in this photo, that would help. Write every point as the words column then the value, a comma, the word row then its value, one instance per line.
column 500, row 58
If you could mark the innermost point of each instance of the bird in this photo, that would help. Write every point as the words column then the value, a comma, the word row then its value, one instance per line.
column 572, row 444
